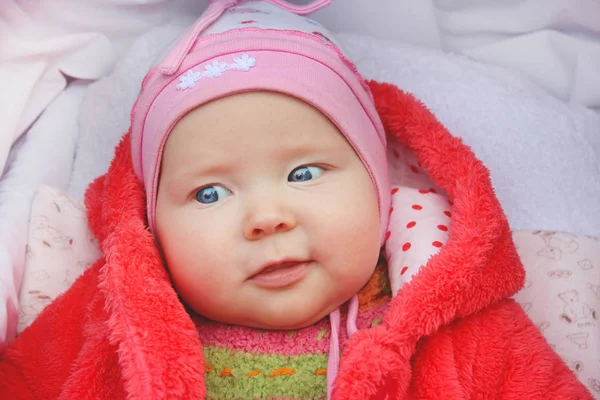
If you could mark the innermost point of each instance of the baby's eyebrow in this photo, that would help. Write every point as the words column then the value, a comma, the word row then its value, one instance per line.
column 302, row 150
column 217, row 168
column 182, row 178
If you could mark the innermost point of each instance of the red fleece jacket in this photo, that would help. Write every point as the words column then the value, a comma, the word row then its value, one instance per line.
column 451, row 333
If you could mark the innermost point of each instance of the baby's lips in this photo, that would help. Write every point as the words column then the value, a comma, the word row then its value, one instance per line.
column 370, row 358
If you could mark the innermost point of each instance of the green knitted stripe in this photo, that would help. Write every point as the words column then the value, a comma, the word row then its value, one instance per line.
column 241, row 375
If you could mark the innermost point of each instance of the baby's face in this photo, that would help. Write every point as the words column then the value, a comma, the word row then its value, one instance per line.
column 266, row 216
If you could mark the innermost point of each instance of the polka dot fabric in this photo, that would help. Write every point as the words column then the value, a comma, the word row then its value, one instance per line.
column 419, row 217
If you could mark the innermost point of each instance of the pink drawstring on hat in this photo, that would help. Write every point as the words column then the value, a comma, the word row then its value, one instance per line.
column 333, row 360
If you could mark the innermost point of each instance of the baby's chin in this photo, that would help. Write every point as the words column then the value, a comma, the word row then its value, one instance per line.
column 280, row 318
column 289, row 322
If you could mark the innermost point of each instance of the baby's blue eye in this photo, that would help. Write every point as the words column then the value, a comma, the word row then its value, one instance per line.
column 303, row 174
column 211, row 194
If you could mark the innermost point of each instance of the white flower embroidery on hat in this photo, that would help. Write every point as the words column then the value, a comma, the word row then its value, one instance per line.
column 188, row 80
column 214, row 70
column 244, row 63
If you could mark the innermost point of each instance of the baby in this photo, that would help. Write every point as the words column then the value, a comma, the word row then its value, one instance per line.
column 275, row 156
column 241, row 224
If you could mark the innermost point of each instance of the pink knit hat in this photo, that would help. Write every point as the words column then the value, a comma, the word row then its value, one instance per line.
column 240, row 46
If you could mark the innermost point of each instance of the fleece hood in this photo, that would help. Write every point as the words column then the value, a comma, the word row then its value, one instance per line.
column 158, row 344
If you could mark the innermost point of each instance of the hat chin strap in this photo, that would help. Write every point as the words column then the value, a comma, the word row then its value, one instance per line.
column 333, row 360
column 216, row 8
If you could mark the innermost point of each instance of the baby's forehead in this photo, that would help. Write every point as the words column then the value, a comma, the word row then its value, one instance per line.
column 245, row 119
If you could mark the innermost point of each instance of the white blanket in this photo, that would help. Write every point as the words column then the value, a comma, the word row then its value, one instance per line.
column 36, row 54
column 45, row 157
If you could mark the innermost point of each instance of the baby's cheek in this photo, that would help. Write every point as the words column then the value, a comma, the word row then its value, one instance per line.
column 357, row 236
column 192, row 259
column 356, row 247
column 201, row 288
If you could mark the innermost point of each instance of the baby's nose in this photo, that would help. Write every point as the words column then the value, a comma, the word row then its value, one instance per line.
column 268, row 221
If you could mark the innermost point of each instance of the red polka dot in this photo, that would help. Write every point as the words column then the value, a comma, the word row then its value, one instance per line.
column 411, row 224
column 391, row 210
column 248, row 22
column 406, row 246
column 414, row 169
column 396, row 154
column 450, row 202
column 423, row 191
column 403, row 270
column 443, row 228
column 394, row 191
column 417, row 207
column 432, row 190
column 448, row 214
column 387, row 235
column 437, row 244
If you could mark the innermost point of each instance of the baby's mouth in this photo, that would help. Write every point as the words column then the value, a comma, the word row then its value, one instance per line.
column 281, row 274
